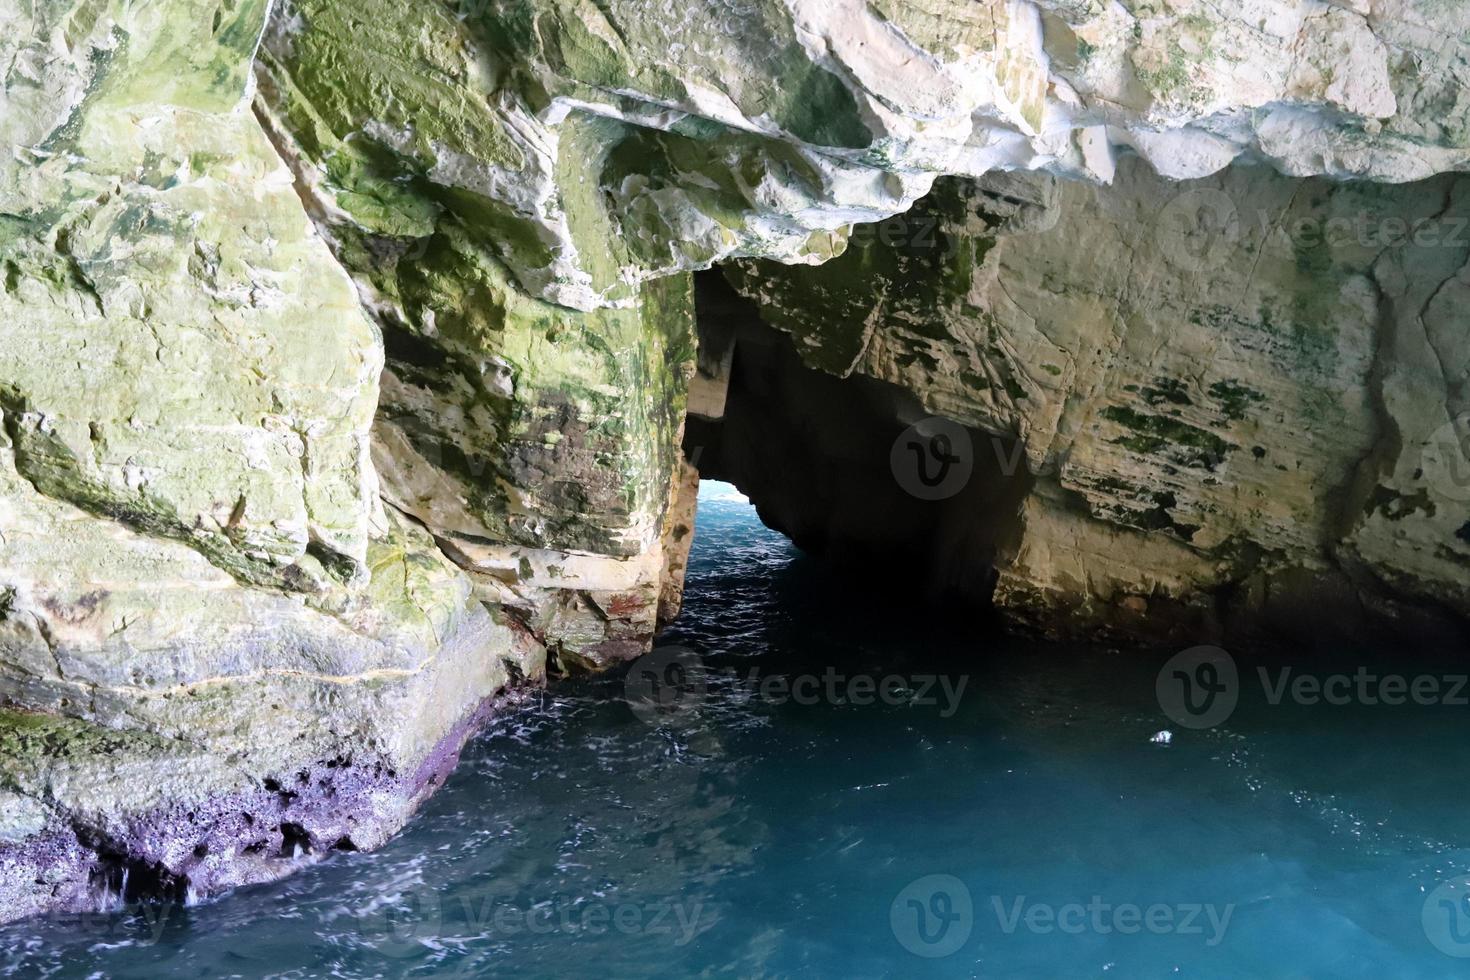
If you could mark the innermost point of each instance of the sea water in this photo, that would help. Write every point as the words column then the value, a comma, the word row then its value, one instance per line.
column 808, row 780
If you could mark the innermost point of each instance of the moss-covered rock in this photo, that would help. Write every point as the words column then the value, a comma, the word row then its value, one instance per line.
column 509, row 419
column 594, row 145
column 216, row 648
column 497, row 118
column 344, row 350
column 177, row 348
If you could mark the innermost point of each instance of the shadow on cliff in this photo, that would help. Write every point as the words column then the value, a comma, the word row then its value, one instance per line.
column 813, row 453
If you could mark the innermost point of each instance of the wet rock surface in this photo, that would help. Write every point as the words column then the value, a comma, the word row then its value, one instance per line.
column 346, row 351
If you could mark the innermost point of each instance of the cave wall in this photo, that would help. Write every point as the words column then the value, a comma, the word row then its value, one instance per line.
column 813, row 452
column 1241, row 398
column 345, row 351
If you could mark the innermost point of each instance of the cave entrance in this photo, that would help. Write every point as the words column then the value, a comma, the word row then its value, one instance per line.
column 852, row 470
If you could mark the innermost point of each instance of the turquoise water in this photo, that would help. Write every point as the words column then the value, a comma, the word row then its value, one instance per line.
column 728, row 833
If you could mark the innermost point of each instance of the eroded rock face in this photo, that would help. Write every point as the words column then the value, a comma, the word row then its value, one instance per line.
column 219, row 654
column 285, row 504
column 345, row 351
column 1263, row 410
column 594, row 146
column 179, row 348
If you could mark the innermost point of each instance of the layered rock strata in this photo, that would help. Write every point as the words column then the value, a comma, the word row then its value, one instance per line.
column 1235, row 398
column 345, row 353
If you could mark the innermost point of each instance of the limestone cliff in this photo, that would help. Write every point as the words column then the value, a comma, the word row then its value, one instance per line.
column 345, row 351
column 1263, row 412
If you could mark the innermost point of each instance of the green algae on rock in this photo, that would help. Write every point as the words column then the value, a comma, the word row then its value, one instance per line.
column 541, row 173
column 203, row 595
column 166, row 307
column 345, row 351
column 1198, row 422
column 206, row 691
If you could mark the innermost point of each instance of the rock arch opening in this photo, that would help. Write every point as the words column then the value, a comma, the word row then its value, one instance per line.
column 854, row 469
